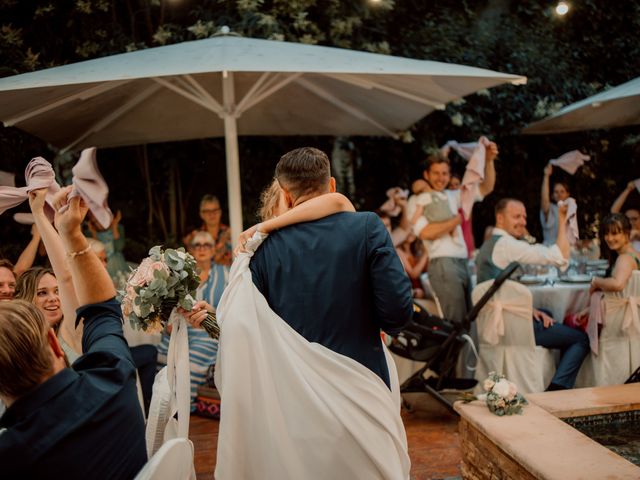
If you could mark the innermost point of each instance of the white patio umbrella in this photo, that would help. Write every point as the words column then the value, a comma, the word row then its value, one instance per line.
column 616, row 107
column 229, row 86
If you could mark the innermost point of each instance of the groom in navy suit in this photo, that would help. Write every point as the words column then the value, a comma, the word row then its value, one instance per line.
column 337, row 281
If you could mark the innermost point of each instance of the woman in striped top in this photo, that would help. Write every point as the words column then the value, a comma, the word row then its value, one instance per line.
column 213, row 277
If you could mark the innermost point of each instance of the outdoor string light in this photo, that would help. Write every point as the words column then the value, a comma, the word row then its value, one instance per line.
column 562, row 8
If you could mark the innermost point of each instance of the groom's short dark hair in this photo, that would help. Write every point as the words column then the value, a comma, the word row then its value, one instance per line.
column 303, row 171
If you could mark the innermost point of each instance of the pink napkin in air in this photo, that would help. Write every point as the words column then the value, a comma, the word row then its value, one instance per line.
column 38, row 174
column 87, row 183
column 474, row 173
column 465, row 150
column 570, row 161
column 572, row 219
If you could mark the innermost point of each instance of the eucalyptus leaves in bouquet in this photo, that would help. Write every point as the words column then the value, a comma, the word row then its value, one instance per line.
column 164, row 280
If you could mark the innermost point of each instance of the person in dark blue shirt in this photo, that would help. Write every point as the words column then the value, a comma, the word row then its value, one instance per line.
column 78, row 423
column 337, row 281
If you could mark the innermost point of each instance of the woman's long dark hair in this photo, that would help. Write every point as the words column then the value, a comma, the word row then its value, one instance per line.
column 613, row 223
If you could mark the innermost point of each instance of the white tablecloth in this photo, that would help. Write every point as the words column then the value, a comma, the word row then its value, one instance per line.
column 561, row 298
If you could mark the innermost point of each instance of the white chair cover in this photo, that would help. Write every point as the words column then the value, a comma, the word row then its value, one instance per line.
column 171, row 391
column 174, row 461
column 292, row 409
column 506, row 341
column 619, row 344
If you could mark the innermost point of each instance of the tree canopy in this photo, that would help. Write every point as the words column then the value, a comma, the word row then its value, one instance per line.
column 565, row 59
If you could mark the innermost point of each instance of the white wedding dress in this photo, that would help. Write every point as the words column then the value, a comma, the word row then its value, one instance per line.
column 292, row 409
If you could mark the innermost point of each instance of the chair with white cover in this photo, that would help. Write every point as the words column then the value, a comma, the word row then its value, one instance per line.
column 619, row 343
column 506, row 340
column 173, row 461
column 169, row 410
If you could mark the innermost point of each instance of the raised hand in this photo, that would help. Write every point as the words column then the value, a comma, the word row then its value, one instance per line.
column 548, row 170
column 69, row 211
column 37, row 199
column 491, row 152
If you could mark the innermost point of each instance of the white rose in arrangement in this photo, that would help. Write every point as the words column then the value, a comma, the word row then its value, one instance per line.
column 501, row 388
column 488, row 385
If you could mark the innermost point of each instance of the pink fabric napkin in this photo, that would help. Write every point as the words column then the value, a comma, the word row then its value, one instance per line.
column 38, row 174
column 87, row 183
column 596, row 317
column 474, row 173
column 7, row 179
column 390, row 206
column 465, row 150
column 570, row 161
column 572, row 220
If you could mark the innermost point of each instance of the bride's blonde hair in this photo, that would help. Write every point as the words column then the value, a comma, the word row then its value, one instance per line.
column 269, row 201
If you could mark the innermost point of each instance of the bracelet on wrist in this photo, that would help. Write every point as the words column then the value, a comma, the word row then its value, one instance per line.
column 73, row 255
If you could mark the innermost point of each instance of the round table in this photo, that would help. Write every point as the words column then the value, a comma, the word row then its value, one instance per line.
column 561, row 298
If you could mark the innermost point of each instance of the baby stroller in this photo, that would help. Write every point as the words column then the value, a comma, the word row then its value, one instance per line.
column 437, row 342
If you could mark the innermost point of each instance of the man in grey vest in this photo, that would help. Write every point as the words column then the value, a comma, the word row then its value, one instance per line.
column 448, row 255
column 505, row 247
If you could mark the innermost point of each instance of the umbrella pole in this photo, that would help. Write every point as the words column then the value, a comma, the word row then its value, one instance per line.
column 233, row 161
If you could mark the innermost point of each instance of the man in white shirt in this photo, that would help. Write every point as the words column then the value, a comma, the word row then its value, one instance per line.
column 448, row 265
column 505, row 247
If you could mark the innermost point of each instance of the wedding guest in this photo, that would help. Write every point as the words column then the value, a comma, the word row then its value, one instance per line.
column 448, row 263
column 211, row 214
column 86, row 421
column 505, row 246
column 414, row 258
column 213, row 279
column 112, row 238
column 549, row 210
column 615, row 231
column 52, row 290
column 633, row 214
column 7, row 280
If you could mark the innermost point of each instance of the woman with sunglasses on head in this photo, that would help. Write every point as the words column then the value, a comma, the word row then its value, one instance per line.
column 213, row 279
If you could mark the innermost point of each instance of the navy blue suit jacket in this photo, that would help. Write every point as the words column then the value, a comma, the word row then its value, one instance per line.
column 337, row 281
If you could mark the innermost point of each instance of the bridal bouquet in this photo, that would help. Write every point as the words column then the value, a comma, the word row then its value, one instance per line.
column 164, row 280
column 501, row 396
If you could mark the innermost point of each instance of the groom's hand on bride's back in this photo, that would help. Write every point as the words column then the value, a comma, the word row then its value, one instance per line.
column 198, row 313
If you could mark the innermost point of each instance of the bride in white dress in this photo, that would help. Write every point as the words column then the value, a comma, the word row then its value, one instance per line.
column 292, row 409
